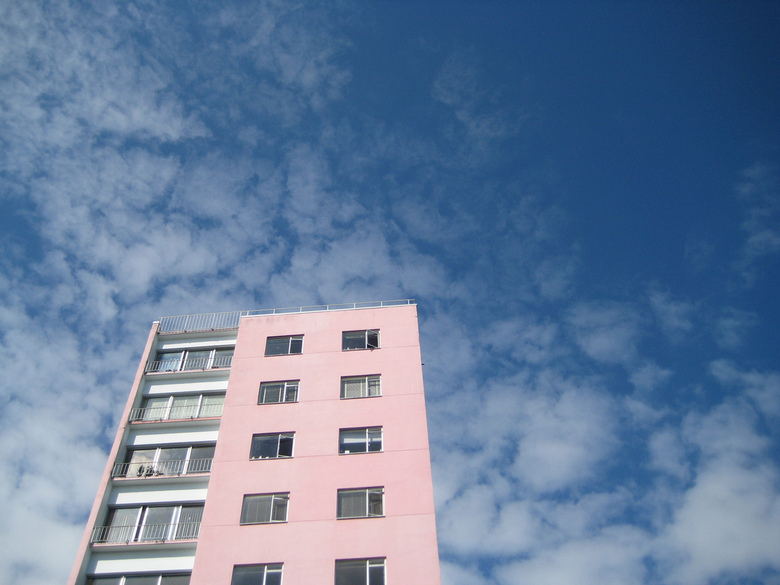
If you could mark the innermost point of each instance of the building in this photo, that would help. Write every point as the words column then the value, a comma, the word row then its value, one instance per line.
column 266, row 447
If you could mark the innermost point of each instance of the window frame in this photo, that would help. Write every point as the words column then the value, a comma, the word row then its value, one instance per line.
column 277, row 568
column 288, row 386
column 368, row 440
column 369, row 563
column 368, row 385
column 279, row 436
column 290, row 345
column 367, row 513
column 282, row 499
column 367, row 342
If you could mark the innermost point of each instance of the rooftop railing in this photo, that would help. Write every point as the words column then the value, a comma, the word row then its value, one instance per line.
column 230, row 320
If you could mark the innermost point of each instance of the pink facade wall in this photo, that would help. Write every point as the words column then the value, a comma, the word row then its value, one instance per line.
column 312, row 539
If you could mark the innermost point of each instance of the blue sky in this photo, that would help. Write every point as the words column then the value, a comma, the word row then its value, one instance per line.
column 584, row 198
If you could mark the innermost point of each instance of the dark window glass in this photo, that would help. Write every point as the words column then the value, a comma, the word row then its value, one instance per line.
column 276, row 392
column 272, row 446
column 257, row 575
column 284, row 345
column 365, row 440
column 175, row 580
column 264, row 509
column 362, row 503
column 364, row 339
column 360, row 572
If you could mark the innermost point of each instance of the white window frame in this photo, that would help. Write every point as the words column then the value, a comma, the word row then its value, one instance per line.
column 369, row 563
column 277, row 502
column 288, row 387
column 290, row 341
column 279, row 437
column 368, row 440
column 368, row 501
column 371, row 388
column 275, row 569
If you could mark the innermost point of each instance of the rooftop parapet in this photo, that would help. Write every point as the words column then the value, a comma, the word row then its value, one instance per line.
column 230, row 320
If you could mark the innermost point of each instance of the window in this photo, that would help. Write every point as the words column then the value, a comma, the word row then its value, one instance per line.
column 363, row 440
column 360, row 387
column 150, row 523
column 276, row 392
column 264, row 509
column 178, row 579
column 165, row 461
column 360, row 572
column 191, row 359
column 272, row 446
column 185, row 406
column 284, row 345
column 365, row 339
column 257, row 574
column 361, row 503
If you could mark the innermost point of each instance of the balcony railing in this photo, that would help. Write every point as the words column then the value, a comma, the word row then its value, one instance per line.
column 162, row 468
column 230, row 320
column 177, row 365
column 160, row 413
column 145, row 533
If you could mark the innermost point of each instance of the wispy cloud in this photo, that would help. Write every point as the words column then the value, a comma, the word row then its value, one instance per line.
column 165, row 160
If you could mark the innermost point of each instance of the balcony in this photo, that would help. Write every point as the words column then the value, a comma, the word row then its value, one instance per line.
column 177, row 363
column 149, row 533
column 176, row 408
column 174, row 468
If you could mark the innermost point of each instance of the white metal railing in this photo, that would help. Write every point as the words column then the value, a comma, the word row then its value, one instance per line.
column 160, row 413
column 230, row 320
column 178, row 365
column 202, row 322
column 146, row 533
column 162, row 468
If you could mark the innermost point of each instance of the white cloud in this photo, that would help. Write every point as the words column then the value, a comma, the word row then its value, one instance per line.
column 732, row 326
column 649, row 376
column 760, row 190
column 673, row 316
column 762, row 387
column 729, row 520
column 614, row 557
column 607, row 332
column 566, row 432
column 667, row 453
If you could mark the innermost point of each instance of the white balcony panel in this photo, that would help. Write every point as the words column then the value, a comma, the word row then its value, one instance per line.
column 147, row 435
column 167, row 559
column 206, row 342
column 191, row 385
column 158, row 494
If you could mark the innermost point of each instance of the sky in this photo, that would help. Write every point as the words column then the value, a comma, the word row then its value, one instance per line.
column 583, row 198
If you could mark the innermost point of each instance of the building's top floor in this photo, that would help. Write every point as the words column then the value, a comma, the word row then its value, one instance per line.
column 230, row 320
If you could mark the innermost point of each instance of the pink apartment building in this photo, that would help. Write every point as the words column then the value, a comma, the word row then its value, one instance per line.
column 267, row 447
